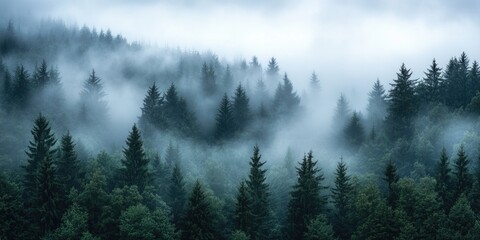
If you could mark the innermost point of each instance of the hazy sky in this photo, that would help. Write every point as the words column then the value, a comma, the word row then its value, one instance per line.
column 348, row 43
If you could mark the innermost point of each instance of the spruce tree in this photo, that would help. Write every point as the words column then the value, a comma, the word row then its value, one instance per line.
column 377, row 105
column 41, row 76
column 273, row 69
column 224, row 127
column 228, row 78
column 430, row 87
column 21, row 87
column 7, row 89
column 462, row 81
column 286, row 101
column 342, row 112
column 151, row 110
column 391, row 178
column 135, row 164
column 402, row 106
column 68, row 168
column 94, row 107
column 314, row 82
column 463, row 178
column 172, row 156
column 47, row 197
column 243, row 214
column 353, row 132
column 259, row 193
column 199, row 216
column 342, row 194
column 307, row 201
column 208, row 79
column 443, row 180
column 40, row 148
column 473, row 79
column 176, row 194
column 451, row 86
column 241, row 109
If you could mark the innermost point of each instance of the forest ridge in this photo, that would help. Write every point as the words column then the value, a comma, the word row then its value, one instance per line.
column 202, row 159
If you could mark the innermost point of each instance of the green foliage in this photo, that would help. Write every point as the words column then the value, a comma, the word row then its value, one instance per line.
column 286, row 101
column 238, row 235
column 391, row 178
column 243, row 213
column 319, row 229
column 74, row 225
column 136, row 222
column 11, row 210
column 224, row 121
column 241, row 109
column 353, row 132
column 176, row 194
column 463, row 179
column 198, row 222
column 135, row 164
column 68, row 168
column 430, row 89
column 342, row 199
column 307, row 201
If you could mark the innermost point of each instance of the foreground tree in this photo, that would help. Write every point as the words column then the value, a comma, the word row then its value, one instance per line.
column 463, row 178
column 307, row 201
column 176, row 194
column 391, row 178
column 342, row 199
column 443, row 186
column 243, row 213
column 135, row 164
column 68, row 167
column 199, row 216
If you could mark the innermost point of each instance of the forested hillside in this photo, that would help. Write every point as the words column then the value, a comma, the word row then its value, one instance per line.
column 102, row 138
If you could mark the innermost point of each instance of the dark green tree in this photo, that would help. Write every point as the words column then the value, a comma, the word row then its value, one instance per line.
column 199, row 216
column 137, row 222
column 172, row 156
column 94, row 199
column 319, row 229
column 259, row 194
column 135, row 164
column 391, row 178
column 473, row 80
column 402, row 105
column 21, row 87
column 307, row 201
column 443, row 180
column 41, row 76
column 7, row 89
column 243, row 213
column 354, row 133
column 152, row 109
column 342, row 200
column 177, row 195
column 377, row 105
column 11, row 210
column 241, row 109
column 463, row 179
column 68, row 168
column 94, row 107
column 430, row 89
column 286, row 101
column 224, row 127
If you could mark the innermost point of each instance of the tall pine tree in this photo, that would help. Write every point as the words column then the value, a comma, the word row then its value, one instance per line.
column 199, row 216
column 463, row 178
column 135, row 164
column 176, row 194
column 241, row 109
column 342, row 199
column 243, row 214
column 224, row 127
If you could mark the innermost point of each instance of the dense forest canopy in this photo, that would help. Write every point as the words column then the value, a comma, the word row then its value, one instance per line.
column 103, row 138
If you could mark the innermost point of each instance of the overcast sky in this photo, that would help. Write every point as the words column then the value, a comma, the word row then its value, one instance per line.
column 348, row 43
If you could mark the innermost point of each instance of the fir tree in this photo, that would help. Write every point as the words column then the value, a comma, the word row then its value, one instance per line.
column 68, row 169
column 342, row 112
column 48, row 195
column 208, row 79
column 198, row 222
column 377, row 104
column 314, row 82
column 354, row 133
column 463, row 178
column 273, row 69
column 228, row 78
column 443, row 180
column 151, row 110
column 21, row 87
column 177, row 194
column 172, row 156
column 307, row 201
column 319, row 228
column 240, row 109
column 94, row 108
column 135, row 164
column 286, row 101
column 430, row 88
column 391, row 178
column 243, row 213
column 7, row 89
column 474, row 79
column 342, row 194
column 41, row 77
column 402, row 107
column 258, row 191
column 224, row 127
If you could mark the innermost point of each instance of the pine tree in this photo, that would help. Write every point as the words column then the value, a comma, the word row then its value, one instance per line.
column 258, row 191
column 402, row 107
column 7, row 89
column 94, row 108
column 473, row 80
column 391, row 178
column 224, row 127
column 228, row 78
column 377, row 104
column 273, row 69
column 342, row 194
column 463, row 178
column 40, row 148
column 314, row 82
column 342, row 112
column 48, row 195
column 307, row 201
column 21, row 87
column 240, row 109
column 198, row 222
column 353, row 132
column 151, row 110
column 135, row 164
column 41, row 77
column 430, row 88
column 243, row 213
column 463, row 96
column 177, row 194
column 318, row 229
column 208, row 79
column 68, row 169
column 443, row 180
column 285, row 101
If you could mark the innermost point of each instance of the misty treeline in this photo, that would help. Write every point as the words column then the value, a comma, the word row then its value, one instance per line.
column 203, row 159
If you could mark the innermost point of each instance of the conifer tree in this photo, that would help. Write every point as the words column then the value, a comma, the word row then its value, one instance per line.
column 227, row 78
column 21, row 87
column 443, row 180
column 314, row 82
column 224, row 127
column 402, row 107
column 40, row 148
column 48, row 195
column 342, row 112
column 463, row 178
column 135, row 164
column 259, row 193
column 473, row 79
column 354, row 133
column 7, row 89
column 41, row 76
column 240, row 109
column 391, row 178
column 94, row 107
column 307, row 201
column 208, row 79
column 172, row 156
column 342, row 194
column 430, row 88
column 151, row 110
column 377, row 104
column 198, row 222
column 68, row 168
column 273, row 69
column 177, row 194
column 243, row 213
column 319, row 228
column 286, row 100
column 462, row 81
